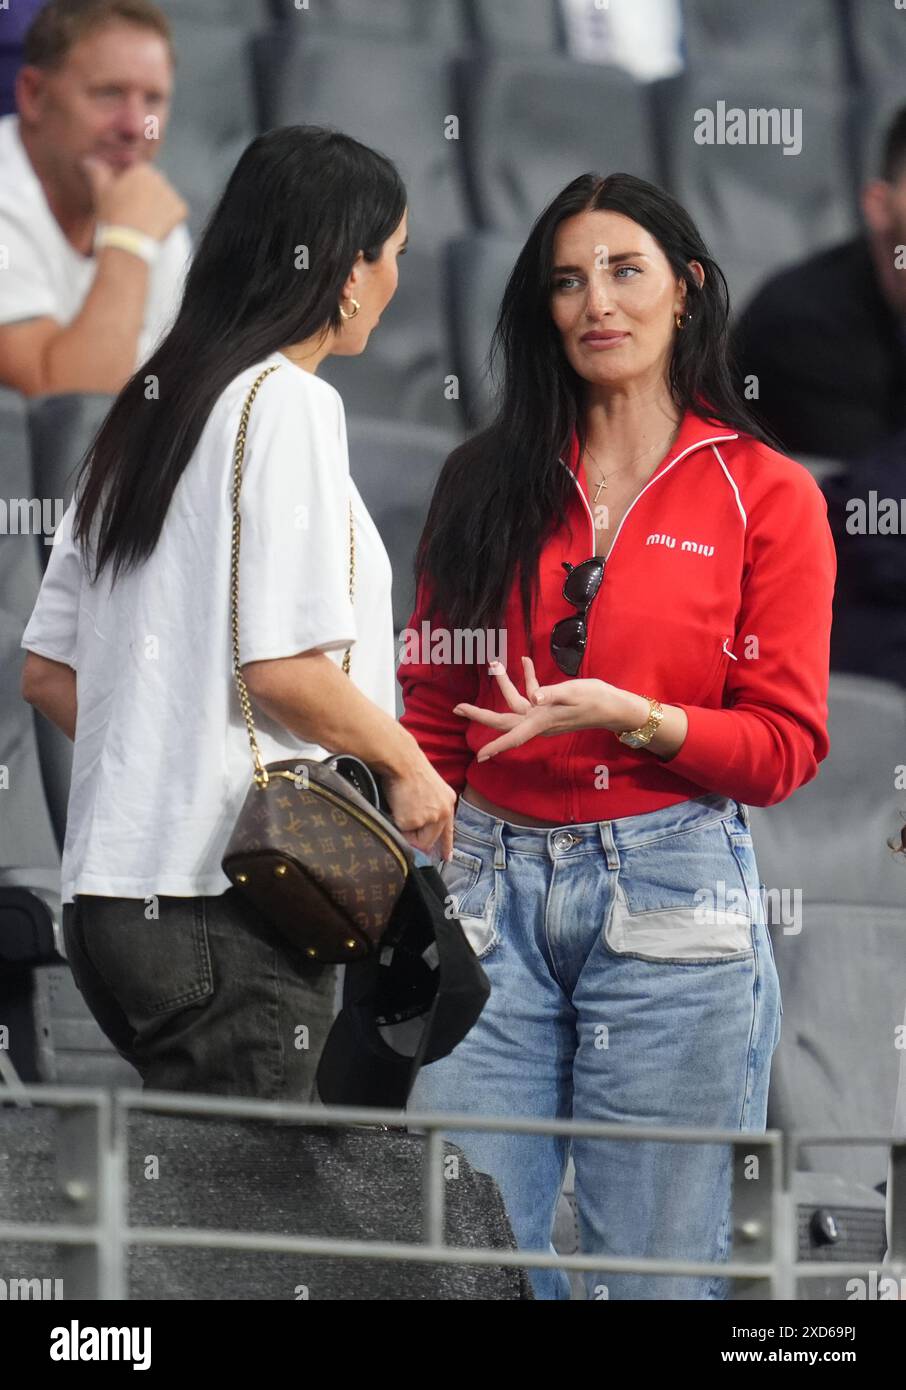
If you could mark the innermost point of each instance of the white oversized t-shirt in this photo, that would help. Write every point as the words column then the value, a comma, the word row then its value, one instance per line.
column 161, row 762
column 44, row 276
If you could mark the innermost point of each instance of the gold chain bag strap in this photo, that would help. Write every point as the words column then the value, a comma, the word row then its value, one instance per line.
column 312, row 854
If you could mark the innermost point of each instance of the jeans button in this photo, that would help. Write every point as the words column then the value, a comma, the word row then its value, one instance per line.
column 563, row 840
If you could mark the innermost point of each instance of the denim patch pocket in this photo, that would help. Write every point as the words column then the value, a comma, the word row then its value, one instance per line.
column 152, row 966
column 470, row 883
column 682, row 898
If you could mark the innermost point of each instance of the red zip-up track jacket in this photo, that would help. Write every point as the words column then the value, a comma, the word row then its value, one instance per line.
column 716, row 597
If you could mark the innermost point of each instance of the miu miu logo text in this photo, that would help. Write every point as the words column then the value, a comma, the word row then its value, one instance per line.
column 695, row 547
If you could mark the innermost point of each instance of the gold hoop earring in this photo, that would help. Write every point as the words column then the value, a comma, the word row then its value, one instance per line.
column 355, row 310
column 680, row 320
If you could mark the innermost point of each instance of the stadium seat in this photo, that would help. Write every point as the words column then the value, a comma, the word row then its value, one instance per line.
column 842, row 956
column 757, row 207
column 29, row 851
column 876, row 107
column 394, row 97
column 534, row 123
column 510, row 25
column 29, row 865
column 65, row 1044
column 388, row 95
column 395, row 468
column 61, row 429
column 250, row 13
column 402, row 374
column 879, row 42
column 20, row 571
column 213, row 116
column 805, row 39
column 436, row 21
column 478, row 267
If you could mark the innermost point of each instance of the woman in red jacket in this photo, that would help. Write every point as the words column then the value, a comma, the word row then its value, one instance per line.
column 661, row 578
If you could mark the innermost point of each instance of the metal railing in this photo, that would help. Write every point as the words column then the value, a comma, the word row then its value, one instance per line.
column 92, row 1154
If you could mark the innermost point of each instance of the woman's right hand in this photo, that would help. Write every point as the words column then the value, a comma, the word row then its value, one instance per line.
column 422, row 806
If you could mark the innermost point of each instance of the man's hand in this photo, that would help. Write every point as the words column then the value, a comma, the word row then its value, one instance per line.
column 140, row 198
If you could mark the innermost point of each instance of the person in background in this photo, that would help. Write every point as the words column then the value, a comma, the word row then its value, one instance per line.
column 93, row 239
column 645, row 37
column 866, row 513
column 826, row 338
column 13, row 27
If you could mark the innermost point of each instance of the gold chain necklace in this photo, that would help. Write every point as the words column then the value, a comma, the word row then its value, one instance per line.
column 603, row 480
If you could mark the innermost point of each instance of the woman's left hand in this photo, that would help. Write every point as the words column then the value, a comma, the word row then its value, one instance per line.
column 554, row 709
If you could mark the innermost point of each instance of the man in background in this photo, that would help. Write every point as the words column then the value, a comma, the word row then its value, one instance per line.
column 93, row 243
column 826, row 338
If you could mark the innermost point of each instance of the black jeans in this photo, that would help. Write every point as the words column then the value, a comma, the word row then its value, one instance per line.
column 203, row 997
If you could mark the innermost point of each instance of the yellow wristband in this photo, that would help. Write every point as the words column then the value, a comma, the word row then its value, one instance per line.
column 127, row 239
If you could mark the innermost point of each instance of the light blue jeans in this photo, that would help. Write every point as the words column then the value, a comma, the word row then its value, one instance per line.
column 633, row 982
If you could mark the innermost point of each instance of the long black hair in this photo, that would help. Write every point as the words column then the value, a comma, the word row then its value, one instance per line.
column 246, row 295
column 502, row 491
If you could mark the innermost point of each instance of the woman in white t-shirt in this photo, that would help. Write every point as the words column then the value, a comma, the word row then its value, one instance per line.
column 130, row 646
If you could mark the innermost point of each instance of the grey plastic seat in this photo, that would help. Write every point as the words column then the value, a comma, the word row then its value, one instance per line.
column 27, row 842
column 877, row 105
column 388, row 95
column 20, row 509
column 878, row 43
column 837, row 902
column 435, row 21
column 403, row 373
column 61, row 429
column 249, row 13
column 509, row 25
column 213, row 116
column 805, row 39
column 757, row 207
column 478, row 267
column 29, row 866
column 395, row 468
column 537, row 122
column 396, row 98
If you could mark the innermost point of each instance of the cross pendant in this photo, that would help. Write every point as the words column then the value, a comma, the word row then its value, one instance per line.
column 602, row 483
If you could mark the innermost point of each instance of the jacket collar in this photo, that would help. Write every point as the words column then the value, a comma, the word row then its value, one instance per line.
column 696, row 431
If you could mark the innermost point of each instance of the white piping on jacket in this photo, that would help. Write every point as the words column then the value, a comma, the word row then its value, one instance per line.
column 717, row 439
column 742, row 513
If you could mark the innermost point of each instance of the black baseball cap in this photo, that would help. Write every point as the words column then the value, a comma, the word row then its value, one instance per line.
column 405, row 1005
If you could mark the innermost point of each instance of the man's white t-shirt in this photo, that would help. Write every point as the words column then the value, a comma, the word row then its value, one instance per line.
column 162, row 763
column 44, row 276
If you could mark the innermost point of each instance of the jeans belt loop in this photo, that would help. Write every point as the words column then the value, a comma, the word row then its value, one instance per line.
column 499, row 847
column 744, row 812
column 608, row 844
